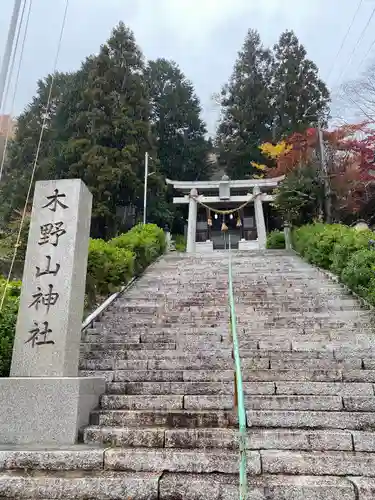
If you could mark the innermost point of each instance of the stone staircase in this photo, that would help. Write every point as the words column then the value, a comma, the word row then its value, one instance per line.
column 166, row 428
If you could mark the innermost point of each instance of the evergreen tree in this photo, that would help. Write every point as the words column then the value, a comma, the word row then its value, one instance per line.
column 180, row 133
column 22, row 150
column 300, row 97
column 246, row 111
column 299, row 198
column 108, row 134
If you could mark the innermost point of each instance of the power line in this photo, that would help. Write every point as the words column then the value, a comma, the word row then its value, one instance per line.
column 356, row 45
column 345, row 37
column 36, row 154
column 360, row 107
column 16, row 81
column 361, row 97
column 366, row 55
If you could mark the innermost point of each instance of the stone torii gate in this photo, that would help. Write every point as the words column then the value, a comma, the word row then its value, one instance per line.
column 252, row 193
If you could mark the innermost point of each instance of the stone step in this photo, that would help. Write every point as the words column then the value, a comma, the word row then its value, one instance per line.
column 191, row 388
column 181, row 355
column 148, row 376
column 315, row 364
column 179, row 460
column 360, row 420
column 254, row 402
column 223, row 384
column 164, row 418
column 326, row 388
column 359, row 376
column 159, row 370
column 293, row 375
column 106, row 374
column 226, row 402
column 164, row 402
column 286, row 356
column 97, row 348
column 128, row 437
column 98, row 485
column 180, row 337
column 75, row 457
column 256, row 439
column 220, row 361
column 265, row 487
column 257, row 347
column 263, row 375
column 311, row 419
column 328, row 314
column 92, row 336
column 210, row 338
column 119, row 324
column 192, row 375
column 338, row 463
column 303, row 345
column 225, row 351
column 185, row 460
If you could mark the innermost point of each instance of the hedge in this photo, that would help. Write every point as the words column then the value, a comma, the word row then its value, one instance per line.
column 110, row 265
column 342, row 250
column 276, row 240
column 8, row 318
column 114, row 263
column 180, row 243
column 146, row 243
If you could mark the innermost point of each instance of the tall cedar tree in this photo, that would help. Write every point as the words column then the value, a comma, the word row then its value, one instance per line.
column 180, row 133
column 300, row 97
column 246, row 110
column 98, row 129
column 107, row 129
column 22, row 150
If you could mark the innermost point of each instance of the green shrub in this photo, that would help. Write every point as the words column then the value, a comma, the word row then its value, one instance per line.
column 359, row 275
column 344, row 251
column 315, row 242
column 108, row 267
column 303, row 236
column 276, row 240
column 180, row 243
column 351, row 242
column 8, row 318
column 146, row 242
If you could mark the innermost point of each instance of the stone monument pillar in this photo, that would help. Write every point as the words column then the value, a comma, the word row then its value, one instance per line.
column 192, row 222
column 259, row 218
column 44, row 401
column 287, row 236
column 168, row 238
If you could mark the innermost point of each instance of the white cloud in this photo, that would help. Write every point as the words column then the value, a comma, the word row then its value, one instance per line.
column 203, row 36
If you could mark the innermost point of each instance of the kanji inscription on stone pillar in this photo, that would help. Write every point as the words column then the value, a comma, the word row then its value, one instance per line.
column 48, row 331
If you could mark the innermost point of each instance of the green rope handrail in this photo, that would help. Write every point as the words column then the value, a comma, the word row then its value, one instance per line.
column 239, row 395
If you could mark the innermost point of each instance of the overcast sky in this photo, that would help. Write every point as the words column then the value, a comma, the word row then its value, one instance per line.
column 202, row 36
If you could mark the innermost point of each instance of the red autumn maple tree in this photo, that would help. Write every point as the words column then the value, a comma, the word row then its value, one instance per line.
column 350, row 152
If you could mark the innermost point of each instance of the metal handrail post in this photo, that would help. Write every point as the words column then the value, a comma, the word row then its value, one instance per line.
column 239, row 394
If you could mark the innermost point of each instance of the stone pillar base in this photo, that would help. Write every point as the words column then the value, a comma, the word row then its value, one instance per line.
column 204, row 246
column 45, row 411
column 288, row 237
column 246, row 245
